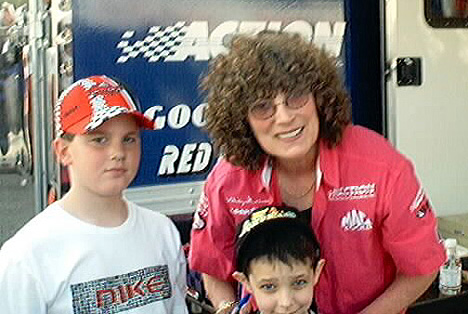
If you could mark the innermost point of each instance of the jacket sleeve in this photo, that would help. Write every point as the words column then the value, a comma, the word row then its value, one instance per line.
column 212, row 246
column 410, row 227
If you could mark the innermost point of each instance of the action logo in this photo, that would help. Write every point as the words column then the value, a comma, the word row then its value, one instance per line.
column 179, row 42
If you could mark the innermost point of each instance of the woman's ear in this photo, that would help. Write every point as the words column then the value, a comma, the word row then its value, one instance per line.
column 242, row 278
column 318, row 270
column 61, row 148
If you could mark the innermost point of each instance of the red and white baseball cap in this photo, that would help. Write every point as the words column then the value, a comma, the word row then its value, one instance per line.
column 90, row 102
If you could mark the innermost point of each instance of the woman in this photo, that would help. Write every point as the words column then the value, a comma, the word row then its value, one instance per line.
column 280, row 116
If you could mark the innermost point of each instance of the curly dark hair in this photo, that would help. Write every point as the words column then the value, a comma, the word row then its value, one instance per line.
column 257, row 67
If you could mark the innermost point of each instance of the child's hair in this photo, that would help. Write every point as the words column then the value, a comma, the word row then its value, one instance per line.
column 277, row 234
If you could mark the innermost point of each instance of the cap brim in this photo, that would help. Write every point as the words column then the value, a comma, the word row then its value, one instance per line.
column 79, row 128
column 143, row 121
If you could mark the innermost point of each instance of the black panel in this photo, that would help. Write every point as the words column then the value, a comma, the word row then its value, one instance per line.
column 363, row 69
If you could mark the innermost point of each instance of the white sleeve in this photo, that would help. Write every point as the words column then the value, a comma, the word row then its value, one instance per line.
column 179, row 268
column 181, row 283
column 20, row 292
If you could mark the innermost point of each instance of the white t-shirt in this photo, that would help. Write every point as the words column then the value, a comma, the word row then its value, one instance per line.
column 58, row 264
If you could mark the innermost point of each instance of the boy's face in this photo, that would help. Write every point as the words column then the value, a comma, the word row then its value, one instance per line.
column 279, row 288
column 104, row 161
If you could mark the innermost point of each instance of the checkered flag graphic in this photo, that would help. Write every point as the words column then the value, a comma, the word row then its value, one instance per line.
column 159, row 43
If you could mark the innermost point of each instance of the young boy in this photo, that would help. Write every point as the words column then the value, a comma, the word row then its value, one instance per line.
column 278, row 260
column 93, row 251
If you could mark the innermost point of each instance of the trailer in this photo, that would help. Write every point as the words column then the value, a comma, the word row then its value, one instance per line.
column 404, row 63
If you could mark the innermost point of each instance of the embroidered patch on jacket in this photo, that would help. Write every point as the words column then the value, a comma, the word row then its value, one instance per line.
column 244, row 205
column 421, row 204
column 353, row 192
column 122, row 292
column 201, row 213
column 356, row 220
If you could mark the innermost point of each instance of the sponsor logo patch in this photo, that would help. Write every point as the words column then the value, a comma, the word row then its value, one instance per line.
column 247, row 201
column 356, row 220
column 241, row 211
column 353, row 192
column 421, row 205
column 243, row 206
column 201, row 213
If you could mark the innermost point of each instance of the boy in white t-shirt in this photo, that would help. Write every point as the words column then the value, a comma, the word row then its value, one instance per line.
column 93, row 251
column 278, row 262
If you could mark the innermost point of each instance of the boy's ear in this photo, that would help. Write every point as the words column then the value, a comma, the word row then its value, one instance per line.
column 318, row 270
column 242, row 278
column 61, row 148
